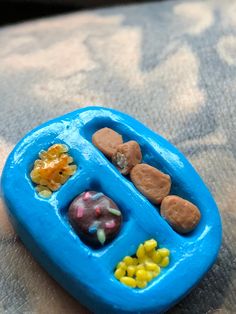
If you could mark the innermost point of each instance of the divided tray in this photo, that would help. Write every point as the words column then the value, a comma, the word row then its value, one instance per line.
column 87, row 273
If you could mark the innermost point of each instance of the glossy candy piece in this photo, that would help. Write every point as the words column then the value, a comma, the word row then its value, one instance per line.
column 89, row 214
column 86, row 273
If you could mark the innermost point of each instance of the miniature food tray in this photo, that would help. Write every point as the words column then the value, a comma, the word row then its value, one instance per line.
column 87, row 273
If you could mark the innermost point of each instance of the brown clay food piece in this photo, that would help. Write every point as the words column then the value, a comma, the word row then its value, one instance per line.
column 181, row 214
column 127, row 156
column 107, row 140
column 95, row 217
column 152, row 183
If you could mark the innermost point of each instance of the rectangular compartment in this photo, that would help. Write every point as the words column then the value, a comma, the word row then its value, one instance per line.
column 152, row 154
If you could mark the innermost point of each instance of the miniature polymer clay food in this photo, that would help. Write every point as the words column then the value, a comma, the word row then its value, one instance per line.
column 95, row 217
column 181, row 214
column 107, row 140
column 152, row 183
column 140, row 269
column 127, row 155
column 53, row 169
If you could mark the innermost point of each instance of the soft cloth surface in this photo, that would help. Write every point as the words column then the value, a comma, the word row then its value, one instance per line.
column 171, row 65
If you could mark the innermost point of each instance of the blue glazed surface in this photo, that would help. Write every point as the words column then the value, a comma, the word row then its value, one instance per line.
column 87, row 273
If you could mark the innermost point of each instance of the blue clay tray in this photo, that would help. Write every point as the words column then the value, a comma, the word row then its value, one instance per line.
column 87, row 273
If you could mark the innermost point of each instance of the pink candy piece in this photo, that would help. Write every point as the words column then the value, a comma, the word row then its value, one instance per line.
column 86, row 196
column 110, row 224
column 79, row 212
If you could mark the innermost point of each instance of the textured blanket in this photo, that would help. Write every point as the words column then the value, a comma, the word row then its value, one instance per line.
column 172, row 65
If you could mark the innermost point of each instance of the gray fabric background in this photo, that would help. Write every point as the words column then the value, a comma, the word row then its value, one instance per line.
column 172, row 66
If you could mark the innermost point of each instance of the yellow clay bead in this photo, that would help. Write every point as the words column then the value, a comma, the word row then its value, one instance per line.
column 156, row 257
column 131, row 270
column 151, row 266
column 141, row 274
column 164, row 252
column 128, row 260
column 140, row 251
column 164, row 262
column 157, row 272
column 119, row 273
column 45, row 193
column 121, row 265
column 130, row 282
column 140, row 267
column 149, row 254
column 149, row 276
column 147, row 259
column 150, row 245
column 141, row 283
column 142, row 260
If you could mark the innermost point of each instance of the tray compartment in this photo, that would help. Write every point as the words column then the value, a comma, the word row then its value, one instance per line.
column 154, row 155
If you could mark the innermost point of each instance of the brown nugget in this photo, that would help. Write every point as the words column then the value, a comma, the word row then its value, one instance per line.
column 127, row 156
column 107, row 140
column 152, row 183
column 181, row 214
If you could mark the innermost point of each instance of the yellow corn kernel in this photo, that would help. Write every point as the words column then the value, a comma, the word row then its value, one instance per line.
column 164, row 262
column 141, row 274
column 131, row 270
column 135, row 261
column 40, row 188
column 45, row 193
column 150, row 245
column 140, row 251
column 156, row 272
column 140, row 267
column 121, row 265
column 142, row 260
column 149, row 276
column 164, row 252
column 130, row 282
column 156, row 257
column 147, row 259
column 151, row 266
column 149, row 254
column 119, row 273
column 141, row 283
column 128, row 260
